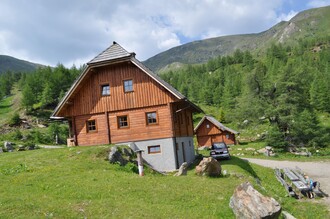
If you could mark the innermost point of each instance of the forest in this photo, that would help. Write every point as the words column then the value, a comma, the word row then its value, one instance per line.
column 286, row 87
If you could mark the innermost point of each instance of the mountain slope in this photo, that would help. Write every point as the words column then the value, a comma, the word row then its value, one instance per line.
column 8, row 63
column 306, row 24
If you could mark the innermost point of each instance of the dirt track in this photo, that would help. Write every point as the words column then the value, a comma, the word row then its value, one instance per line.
column 318, row 171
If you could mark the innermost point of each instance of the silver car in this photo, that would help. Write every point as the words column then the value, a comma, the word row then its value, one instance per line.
column 219, row 150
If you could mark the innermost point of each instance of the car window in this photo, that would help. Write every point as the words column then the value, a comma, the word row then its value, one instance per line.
column 219, row 146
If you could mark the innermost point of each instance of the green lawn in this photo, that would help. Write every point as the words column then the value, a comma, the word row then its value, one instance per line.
column 78, row 182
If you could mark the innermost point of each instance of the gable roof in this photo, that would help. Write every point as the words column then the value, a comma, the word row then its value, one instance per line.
column 116, row 54
column 215, row 122
column 115, row 51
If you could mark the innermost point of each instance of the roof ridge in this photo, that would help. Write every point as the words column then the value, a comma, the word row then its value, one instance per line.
column 114, row 51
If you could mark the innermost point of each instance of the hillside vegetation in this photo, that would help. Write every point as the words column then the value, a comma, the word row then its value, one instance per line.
column 284, row 91
column 8, row 63
column 305, row 25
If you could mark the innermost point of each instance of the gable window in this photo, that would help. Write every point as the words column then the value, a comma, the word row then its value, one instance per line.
column 155, row 149
column 91, row 126
column 105, row 90
column 151, row 118
column 123, row 121
column 128, row 85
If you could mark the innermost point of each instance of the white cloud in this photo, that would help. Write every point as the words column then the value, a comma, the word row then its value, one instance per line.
column 286, row 17
column 75, row 31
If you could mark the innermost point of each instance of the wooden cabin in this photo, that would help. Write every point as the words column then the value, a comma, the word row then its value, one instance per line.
column 210, row 130
column 118, row 100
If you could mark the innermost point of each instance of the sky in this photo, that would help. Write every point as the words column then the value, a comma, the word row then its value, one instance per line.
column 72, row 32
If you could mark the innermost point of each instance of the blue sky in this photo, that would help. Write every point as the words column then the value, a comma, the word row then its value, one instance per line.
column 75, row 31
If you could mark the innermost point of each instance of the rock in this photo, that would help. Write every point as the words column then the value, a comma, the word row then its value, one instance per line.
column 262, row 150
column 21, row 148
column 8, row 146
column 41, row 126
column 208, row 166
column 182, row 170
column 250, row 149
column 247, row 202
column 269, row 148
column 1, row 150
column 128, row 152
column 116, row 157
column 268, row 151
column 287, row 215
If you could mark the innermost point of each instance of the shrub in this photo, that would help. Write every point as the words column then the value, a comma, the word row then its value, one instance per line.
column 15, row 120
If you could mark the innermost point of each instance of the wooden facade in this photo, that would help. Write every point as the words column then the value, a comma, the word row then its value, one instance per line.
column 209, row 130
column 113, row 98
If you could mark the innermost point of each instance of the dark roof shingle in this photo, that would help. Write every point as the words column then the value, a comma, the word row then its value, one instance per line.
column 115, row 51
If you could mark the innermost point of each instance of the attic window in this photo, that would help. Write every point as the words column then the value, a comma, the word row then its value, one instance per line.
column 105, row 89
column 207, row 126
column 128, row 85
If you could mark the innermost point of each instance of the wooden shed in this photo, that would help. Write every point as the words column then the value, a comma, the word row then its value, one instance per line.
column 210, row 130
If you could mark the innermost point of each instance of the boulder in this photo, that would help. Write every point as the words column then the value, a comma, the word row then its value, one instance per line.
column 209, row 167
column 116, row 157
column 128, row 152
column 8, row 146
column 182, row 170
column 247, row 202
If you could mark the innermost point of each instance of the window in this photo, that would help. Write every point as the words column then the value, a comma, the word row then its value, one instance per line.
column 207, row 126
column 151, row 118
column 227, row 136
column 105, row 90
column 91, row 126
column 128, row 85
column 122, row 121
column 154, row 149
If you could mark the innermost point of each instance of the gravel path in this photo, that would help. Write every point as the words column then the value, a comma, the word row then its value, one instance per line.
column 318, row 171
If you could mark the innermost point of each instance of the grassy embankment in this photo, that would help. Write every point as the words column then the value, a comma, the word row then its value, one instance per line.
column 79, row 182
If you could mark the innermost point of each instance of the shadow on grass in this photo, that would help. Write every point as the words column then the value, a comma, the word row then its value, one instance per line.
column 5, row 106
column 245, row 165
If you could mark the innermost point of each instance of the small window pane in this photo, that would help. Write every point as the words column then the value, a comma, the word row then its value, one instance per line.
column 122, row 121
column 105, row 90
column 154, row 149
column 152, row 118
column 128, row 85
column 91, row 125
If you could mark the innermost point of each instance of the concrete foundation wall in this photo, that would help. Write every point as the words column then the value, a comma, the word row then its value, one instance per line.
column 186, row 150
column 166, row 159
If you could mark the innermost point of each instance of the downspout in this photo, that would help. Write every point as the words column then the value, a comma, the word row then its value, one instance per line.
column 170, row 105
column 108, row 126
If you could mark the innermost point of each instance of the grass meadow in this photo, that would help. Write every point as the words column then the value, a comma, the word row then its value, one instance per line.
column 80, row 183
